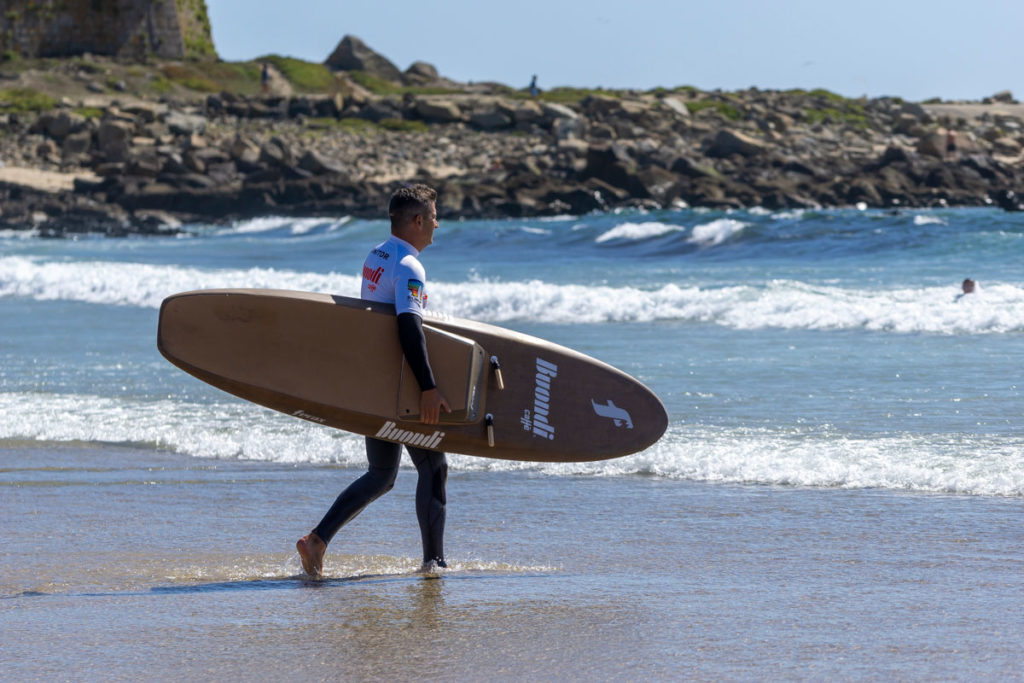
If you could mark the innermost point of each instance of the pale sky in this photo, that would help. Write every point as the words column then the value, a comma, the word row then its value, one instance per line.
column 915, row 49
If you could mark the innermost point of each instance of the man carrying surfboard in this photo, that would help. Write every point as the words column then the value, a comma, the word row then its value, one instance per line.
column 393, row 274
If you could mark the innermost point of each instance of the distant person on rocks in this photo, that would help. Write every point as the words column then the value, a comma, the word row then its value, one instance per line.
column 393, row 274
column 265, row 79
column 968, row 286
column 950, row 144
column 534, row 90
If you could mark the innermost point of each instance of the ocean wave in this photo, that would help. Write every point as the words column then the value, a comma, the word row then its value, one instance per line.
column 716, row 232
column 230, row 429
column 703, row 235
column 282, row 224
column 973, row 464
column 139, row 284
column 633, row 232
column 978, row 464
column 785, row 304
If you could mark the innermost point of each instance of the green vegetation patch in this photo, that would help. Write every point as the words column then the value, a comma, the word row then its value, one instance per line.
column 817, row 92
column 242, row 78
column 851, row 115
column 89, row 112
column 379, row 86
column 564, row 94
column 374, row 84
column 724, row 109
column 304, row 76
column 688, row 90
column 196, row 31
column 25, row 99
column 831, row 108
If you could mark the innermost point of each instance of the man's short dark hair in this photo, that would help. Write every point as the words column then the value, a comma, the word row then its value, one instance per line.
column 410, row 201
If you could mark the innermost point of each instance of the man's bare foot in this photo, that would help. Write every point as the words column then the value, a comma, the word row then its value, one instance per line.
column 311, row 551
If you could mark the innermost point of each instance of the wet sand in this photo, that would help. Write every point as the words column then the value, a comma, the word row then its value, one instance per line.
column 126, row 563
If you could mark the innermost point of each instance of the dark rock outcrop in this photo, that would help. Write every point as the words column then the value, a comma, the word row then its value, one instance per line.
column 352, row 54
column 147, row 166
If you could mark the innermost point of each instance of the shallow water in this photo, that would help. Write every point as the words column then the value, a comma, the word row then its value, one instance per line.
column 118, row 558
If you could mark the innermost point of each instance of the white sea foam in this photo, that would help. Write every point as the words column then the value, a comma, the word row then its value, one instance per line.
column 296, row 226
column 137, row 284
column 791, row 214
column 966, row 464
column 232, row 429
column 783, row 304
column 977, row 464
column 632, row 232
column 535, row 231
column 716, row 232
column 922, row 219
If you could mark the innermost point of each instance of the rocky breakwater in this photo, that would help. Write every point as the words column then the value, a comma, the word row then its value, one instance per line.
column 145, row 166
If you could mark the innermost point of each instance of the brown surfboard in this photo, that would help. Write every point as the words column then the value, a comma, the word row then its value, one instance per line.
column 336, row 361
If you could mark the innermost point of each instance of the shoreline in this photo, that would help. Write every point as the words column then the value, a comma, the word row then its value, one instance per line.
column 145, row 166
column 711, row 580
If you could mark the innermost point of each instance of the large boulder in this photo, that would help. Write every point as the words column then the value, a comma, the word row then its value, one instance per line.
column 181, row 123
column 319, row 164
column 1008, row 200
column 1006, row 145
column 566, row 128
column 245, row 153
column 276, row 152
column 729, row 142
column 659, row 184
column 352, row 54
column 59, row 124
column 676, row 106
column 490, row 120
column 420, row 73
column 438, row 111
column 554, row 110
column 528, row 111
column 933, row 145
column 613, row 165
column 77, row 144
column 112, row 139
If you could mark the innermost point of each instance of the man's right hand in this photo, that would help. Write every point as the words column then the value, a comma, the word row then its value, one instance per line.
column 431, row 405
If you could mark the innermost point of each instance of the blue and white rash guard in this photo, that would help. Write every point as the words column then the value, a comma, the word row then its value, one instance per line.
column 393, row 274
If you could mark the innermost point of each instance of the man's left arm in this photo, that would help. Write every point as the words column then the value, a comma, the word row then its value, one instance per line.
column 414, row 348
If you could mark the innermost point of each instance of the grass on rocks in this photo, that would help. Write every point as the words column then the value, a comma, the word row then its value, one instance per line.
column 309, row 77
column 25, row 100
column 379, row 86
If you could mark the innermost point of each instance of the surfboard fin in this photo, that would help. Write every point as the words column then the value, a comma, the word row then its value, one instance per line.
column 497, row 374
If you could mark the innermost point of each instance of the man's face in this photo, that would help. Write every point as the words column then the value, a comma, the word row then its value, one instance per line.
column 429, row 223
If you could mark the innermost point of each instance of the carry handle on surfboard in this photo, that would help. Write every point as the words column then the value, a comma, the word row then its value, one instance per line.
column 460, row 371
column 496, row 366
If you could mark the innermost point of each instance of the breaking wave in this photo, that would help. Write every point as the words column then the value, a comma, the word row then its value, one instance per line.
column 785, row 304
column 239, row 430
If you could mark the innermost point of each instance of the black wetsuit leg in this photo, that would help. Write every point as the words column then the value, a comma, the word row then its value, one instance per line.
column 383, row 458
column 432, row 467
